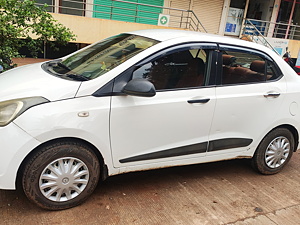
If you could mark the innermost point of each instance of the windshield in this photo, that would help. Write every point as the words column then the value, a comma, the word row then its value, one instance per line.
column 99, row 58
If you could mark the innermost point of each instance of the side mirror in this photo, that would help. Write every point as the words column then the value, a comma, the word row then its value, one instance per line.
column 139, row 87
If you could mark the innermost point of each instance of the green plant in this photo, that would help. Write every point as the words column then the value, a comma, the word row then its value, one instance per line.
column 23, row 23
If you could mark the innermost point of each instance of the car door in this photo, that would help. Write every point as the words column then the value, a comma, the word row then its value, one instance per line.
column 173, row 126
column 251, row 90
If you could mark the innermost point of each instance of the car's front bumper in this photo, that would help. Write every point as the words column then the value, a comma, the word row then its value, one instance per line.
column 15, row 144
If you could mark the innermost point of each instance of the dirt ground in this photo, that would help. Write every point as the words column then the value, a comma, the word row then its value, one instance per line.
column 25, row 61
column 227, row 192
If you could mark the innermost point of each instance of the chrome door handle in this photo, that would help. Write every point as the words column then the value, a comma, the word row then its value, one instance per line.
column 204, row 100
column 272, row 94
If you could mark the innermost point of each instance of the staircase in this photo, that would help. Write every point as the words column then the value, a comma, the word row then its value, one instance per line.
column 252, row 33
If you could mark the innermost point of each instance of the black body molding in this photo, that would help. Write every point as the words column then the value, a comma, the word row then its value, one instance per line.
column 215, row 145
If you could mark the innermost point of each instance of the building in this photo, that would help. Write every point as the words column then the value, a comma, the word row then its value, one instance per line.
column 274, row 21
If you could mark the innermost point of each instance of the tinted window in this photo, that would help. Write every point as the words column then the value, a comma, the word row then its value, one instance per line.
column 244, row 67
column 241, row 67
column 182, row 69
column 272, row 71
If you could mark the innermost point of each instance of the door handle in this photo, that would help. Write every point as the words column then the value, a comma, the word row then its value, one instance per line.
column 272, row 94
column 203, row 100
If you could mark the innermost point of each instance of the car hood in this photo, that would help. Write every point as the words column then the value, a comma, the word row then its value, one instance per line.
column 32, row 80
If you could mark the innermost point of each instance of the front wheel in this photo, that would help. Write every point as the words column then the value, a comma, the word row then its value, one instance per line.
column 274, row 152
column 61, row 175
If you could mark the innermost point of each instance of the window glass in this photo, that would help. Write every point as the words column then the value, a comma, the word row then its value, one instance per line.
column 272, row 71
column 182, row 69
column 50, row 3
column 242, row 67
column 74, row 7
column 101, row 57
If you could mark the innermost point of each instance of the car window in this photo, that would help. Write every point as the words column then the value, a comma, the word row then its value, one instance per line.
column 244, row 67
column 182, row 69
column 273, row 72
column 101, row 57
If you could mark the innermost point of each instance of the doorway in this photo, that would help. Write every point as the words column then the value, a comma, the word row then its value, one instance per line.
column 235, row 17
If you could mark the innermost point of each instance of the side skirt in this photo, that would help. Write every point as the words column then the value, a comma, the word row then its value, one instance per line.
column 215, row 145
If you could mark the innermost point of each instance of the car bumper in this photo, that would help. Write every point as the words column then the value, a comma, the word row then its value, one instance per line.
column 15, row 144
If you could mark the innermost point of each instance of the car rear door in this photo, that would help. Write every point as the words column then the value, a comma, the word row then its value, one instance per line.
column 250, row 93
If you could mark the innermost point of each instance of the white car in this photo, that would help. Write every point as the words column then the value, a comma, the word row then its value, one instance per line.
column 143, row 100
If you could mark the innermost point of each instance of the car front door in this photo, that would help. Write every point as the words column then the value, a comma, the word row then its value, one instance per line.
column 172, row 127
column 250, row 93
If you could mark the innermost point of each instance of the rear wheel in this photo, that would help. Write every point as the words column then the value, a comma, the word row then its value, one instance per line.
column 61, row 175
column 274, row 151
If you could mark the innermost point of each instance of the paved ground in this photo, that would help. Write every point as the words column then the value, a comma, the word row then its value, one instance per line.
column 228, row 192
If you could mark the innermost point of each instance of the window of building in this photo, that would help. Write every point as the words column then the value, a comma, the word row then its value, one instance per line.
column 50, row 3
column 284, row 11
column 72, row 7
column 289, row 13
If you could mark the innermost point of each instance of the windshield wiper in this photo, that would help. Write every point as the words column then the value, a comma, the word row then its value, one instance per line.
column 65, row 73
column 63, row 66
column 77, row 77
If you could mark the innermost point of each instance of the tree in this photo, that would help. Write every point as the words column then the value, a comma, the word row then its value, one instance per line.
column 22, row 23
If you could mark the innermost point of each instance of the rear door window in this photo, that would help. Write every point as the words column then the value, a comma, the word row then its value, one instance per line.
column 243, row 66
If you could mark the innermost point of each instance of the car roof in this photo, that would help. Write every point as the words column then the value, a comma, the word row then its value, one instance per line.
column 167, row 34
column 186, row 36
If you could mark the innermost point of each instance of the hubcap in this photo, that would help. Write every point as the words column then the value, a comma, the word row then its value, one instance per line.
column 277, row 152
column 64, row 179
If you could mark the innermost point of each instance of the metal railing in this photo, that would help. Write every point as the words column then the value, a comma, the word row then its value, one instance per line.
column 269, row 29
column 132, row 11
column 255, row 34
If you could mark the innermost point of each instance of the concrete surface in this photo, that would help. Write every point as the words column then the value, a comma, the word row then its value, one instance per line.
column 227, row 192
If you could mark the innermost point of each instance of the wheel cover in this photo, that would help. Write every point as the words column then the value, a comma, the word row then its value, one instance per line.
column 277, row 152
column 64, row 179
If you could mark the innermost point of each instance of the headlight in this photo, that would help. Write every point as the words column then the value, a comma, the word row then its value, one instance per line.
column 11, row 109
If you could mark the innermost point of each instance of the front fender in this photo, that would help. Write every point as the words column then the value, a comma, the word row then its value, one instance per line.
column 84, row 118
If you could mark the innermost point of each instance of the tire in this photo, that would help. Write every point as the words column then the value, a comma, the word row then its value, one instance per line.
column 274, row 151
column 61, row 175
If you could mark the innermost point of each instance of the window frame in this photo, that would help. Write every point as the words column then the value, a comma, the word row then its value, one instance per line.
column 210, row 71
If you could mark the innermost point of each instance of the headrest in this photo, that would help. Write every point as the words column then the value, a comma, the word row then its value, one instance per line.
column 258, row 66
column 181, row 57
column 228, row 59
column 199, row 61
